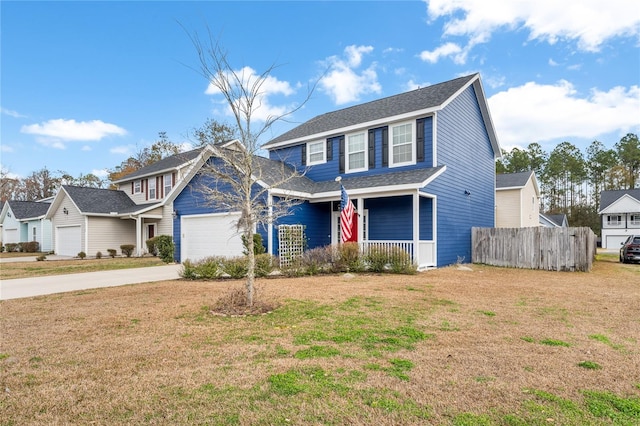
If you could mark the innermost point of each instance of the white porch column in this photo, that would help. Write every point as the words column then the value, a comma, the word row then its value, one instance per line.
column 416, row 227
column 360, row 212
column 138, row 236
column 270, row 225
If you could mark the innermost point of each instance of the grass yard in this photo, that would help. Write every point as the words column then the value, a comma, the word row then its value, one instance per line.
column 10, row 270
column 452, row 347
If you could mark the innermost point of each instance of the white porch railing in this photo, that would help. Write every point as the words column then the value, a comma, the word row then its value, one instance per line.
column 426, row 250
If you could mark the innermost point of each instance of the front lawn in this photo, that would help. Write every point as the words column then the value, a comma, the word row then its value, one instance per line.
column 451, row 347
column 10, row 270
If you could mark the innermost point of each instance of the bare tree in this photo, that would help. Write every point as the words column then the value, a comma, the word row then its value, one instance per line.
column 238, row 179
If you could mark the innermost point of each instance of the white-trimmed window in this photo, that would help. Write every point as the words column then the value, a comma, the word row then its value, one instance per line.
column 168, row 184
column 152, row 188
column 402, row 144
column 316, row 152
column 635, row 219
column 35, row 234
column 614, row 220
column 356, row 153
column 137, row 187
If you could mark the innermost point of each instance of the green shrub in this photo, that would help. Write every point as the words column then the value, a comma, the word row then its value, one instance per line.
column 112, row 252
column 264, row 264
column 377, row 258
column 82, row 255
column 29, row 247
column 127, row 249
column 11, row 247
column 348, row 258
column 152, row 246
column 401, row 262
column 205, row 269
column 99, row 255
column 235, row 267
column 258, row 247
column 317, row 260
column 1, row 247
column 165, row 247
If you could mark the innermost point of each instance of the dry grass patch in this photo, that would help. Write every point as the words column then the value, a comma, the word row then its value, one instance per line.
column 441, row 347
column 11, row 270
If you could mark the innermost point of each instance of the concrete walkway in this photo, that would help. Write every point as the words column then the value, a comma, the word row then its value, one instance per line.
column 29, row 287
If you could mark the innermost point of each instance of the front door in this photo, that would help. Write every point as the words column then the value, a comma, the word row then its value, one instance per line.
column 335, row 226
column 151, row 230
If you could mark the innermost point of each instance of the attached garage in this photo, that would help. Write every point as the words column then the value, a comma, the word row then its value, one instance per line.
column 68, row 240
column 615, row 241
column 209, row 235
column 11, row 236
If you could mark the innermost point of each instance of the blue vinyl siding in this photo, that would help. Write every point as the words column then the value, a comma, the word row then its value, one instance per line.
column 464, row 147
column 390, row 218
column 191, row 201
column 328, row 171
column 316, row 217
column 426, row 219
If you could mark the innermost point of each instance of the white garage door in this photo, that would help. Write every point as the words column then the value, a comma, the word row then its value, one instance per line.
column 615, row 241
column 210, row 235
column 68, row 241
column 11, row 236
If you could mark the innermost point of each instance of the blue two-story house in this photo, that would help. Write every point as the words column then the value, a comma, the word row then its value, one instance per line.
column 418, row 166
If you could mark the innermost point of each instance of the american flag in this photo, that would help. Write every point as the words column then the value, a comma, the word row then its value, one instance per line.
column 346, row 215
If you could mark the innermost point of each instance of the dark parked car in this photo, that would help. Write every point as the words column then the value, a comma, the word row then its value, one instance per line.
column 630, row 250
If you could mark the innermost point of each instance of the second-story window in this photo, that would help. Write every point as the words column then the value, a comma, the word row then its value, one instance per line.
column 356, row 153
column 152, row 188
column 614, row 220
column 635, row 219
column 316, row 152
column 402, row 144
column 137, row 187
column 167, row 183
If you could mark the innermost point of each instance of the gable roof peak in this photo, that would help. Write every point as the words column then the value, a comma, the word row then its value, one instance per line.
column 424, row 98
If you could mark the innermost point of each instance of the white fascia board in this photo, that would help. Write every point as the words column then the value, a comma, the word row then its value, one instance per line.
column 357, row 127
column 277, row 192
column 624, row 204
column 509, row 188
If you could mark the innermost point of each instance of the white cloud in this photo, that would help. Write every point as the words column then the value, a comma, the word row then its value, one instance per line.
column 343, row 83
column 101, row 173
column 123, row 149
column 270, row 86
column 12, row 113
column 535, row 112
column 588, row 22
column 448, row 49
column 5, row 148
column 53, row 132
column 86, row 148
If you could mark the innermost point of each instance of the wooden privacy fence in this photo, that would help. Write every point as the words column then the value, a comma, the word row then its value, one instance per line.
column 552, row 249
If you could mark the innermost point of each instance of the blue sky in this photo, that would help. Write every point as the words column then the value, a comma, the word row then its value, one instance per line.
column 86, row 84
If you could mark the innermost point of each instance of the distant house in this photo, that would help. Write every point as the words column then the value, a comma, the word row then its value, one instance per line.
column 620, row 215
column 24, row 221
column 554, row 220
column 93, row 219
column 419, row 167
column 517, row 200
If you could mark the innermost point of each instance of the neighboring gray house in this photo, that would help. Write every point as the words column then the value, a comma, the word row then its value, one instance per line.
column 554, row 220
column 24, row 221
column 620, row 213
column 93, row 219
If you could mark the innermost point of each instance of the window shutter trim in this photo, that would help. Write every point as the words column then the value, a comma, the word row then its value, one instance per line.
column 385, row 146
column 372, row 149
column 329, row 149
column 304, row 154
column 420, row 140
column 342, row 154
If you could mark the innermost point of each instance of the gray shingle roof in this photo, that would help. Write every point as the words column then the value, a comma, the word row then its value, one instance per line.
column 426, row 97
column 512, row 180
column 28, row 209
column 172, row 162
column 102, row 201
column 609, row 197
column 274, row 172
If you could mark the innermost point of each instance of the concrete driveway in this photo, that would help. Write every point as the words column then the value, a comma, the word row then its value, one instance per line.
column 29, row 287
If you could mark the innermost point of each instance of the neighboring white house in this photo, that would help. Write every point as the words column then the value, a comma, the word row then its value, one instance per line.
column 517, row 200
column 24, row 221
column 620, row 213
